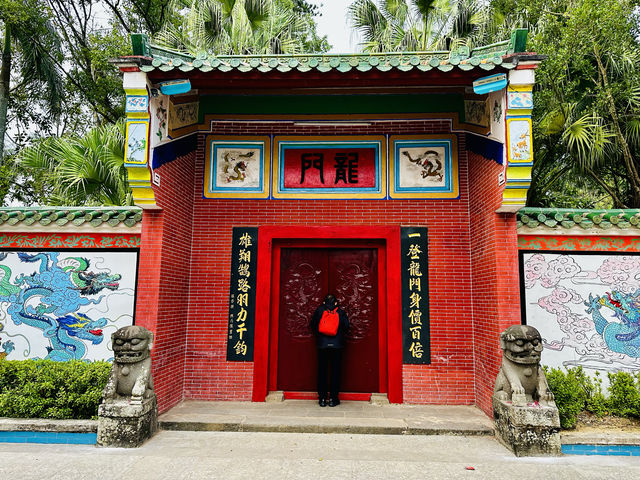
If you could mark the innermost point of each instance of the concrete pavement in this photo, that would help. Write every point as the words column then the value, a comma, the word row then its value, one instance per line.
column 269, row 455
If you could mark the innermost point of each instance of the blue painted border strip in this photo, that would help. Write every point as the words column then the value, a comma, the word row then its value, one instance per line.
column 49, row 437
column 168, row 152
column 621, row 450
column 486, row 147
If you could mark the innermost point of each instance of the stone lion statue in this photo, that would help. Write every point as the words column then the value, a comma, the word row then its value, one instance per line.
column 130, row 377
column 521, row 380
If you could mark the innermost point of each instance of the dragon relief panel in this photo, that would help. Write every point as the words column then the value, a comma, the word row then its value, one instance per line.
column 60, row 305
column 302, row 293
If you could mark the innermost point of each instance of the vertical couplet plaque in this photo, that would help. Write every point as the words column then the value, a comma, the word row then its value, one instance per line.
column 242, row 294
column 416, row 347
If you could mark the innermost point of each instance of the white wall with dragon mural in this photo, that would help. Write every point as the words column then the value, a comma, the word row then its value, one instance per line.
column 586, row 307
column 64, row 305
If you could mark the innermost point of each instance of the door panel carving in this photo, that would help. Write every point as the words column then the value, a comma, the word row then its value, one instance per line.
column 306, row 276
column 354, row 288
column 301, row 293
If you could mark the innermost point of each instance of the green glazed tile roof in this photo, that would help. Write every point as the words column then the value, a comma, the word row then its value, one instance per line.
column 489, row 57
column 324, row 63
column 89, row 216
column 530, row 218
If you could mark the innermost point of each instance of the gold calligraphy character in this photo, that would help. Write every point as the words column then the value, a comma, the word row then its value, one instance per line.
column 240, row 330
column 245, row 256
column 242, row 300
column 415, row 300
column 243, row 270
column 415, row 282
column 243, row 285
column 242, row 316
column 415, row 317
column 416, row 350
column 414, row 269
column 414, row 252
column 240, row 347
column 415, row 332
column 245, row 240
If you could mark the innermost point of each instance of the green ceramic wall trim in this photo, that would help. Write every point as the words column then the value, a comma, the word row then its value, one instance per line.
column 530, row 217
column 72, row 216
column 330, row 104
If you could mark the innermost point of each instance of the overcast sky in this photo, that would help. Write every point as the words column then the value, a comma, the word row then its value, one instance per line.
column 333, row 23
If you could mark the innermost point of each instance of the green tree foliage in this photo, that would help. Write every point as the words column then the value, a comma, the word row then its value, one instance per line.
column 423, row 25
column 587, row 101
column 228, row 27
column 29, row 43
column 57, row 79
column 92, row 172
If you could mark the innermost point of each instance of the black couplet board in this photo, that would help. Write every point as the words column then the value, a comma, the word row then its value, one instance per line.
column 242, row 294
column 416, row 345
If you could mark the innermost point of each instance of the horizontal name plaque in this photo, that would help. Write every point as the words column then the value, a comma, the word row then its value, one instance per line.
column 330, row 167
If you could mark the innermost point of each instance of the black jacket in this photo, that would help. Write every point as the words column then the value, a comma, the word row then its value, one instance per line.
column 325, row 341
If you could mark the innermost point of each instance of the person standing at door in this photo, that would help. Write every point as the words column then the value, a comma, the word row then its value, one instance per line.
column 330, row 345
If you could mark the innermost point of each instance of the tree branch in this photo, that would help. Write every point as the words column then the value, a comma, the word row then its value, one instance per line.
column 616, row 201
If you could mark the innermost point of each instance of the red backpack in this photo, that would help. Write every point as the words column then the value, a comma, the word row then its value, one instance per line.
column 329, row 322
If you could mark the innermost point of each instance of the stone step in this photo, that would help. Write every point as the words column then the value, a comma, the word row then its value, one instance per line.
column 305, row 416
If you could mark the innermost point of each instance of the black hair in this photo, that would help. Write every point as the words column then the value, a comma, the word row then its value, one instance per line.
column 330, row 300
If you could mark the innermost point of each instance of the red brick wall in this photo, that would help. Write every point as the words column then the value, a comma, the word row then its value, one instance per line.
column 163, row 285
column 207, row 375
column 496, row 286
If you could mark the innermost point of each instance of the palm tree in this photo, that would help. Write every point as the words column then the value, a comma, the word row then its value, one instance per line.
column 86, row 170
column 28, row 31
column 587, row 115
column 228, row 27
column 423, row 25
column 408, row 25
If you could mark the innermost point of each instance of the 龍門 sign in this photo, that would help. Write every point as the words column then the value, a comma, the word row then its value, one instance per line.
column 329, row 167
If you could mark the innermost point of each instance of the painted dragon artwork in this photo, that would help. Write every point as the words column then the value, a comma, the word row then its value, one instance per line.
column 49, row 300
column 587, row 308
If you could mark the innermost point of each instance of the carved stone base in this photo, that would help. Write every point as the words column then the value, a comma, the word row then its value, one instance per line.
column 121, row 424
column 528, row 430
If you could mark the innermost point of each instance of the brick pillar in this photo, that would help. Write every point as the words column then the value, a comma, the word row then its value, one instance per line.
column 496, row 286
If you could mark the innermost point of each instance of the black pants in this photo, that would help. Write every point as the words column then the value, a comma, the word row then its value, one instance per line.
column 329, row 372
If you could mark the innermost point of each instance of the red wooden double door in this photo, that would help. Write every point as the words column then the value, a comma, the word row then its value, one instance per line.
column 307, row 275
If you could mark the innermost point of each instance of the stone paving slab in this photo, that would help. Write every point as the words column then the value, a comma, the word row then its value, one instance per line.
column 600, row 438
column 305, row 416
column 47, row 425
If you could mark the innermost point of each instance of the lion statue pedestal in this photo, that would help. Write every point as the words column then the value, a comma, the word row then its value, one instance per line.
column 128, row 414
column 525, row 414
